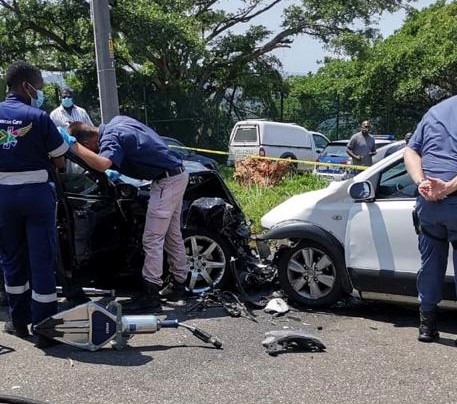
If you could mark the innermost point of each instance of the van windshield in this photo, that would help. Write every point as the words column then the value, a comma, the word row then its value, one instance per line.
column 245, row 135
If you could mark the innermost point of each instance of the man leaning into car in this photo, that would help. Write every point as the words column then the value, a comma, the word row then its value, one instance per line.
column 431, row 161
column 135, row 150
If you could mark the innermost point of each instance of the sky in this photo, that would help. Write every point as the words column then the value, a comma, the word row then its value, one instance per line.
column 305, row 53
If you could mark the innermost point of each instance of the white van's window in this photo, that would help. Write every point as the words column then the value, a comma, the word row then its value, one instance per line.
column 320, row 141
column 244, row 135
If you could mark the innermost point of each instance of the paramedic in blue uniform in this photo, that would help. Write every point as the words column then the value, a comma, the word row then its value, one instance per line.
column 431, row 161
column 130, row 147
column 29, row 141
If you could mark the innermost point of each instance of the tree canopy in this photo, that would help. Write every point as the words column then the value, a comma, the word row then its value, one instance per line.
column 392, row 81
column 180, row 64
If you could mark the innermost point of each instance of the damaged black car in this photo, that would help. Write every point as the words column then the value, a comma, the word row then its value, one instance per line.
column 100, row 226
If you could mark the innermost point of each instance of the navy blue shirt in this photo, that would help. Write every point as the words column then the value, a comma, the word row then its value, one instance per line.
column 27, row 137
column 435, row 140
column 135, row 149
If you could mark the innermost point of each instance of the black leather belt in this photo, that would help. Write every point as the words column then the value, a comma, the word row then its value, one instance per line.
column 169, row 173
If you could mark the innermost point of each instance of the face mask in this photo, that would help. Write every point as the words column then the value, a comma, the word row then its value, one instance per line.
column 67, row 102
column 39, row 100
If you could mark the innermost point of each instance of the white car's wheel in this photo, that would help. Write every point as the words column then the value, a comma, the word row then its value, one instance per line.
column 208, row 260
column 311, row 273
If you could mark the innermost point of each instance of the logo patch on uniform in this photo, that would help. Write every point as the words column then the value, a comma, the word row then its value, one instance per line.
column 8, row 138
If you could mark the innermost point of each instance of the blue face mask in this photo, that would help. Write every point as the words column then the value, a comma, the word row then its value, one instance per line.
column 67, row 102
column 39, row 100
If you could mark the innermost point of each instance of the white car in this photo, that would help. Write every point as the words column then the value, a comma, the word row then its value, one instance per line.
column 352, row 236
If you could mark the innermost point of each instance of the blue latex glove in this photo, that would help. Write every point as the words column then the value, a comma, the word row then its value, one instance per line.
column 68, row 139
column 113, row 175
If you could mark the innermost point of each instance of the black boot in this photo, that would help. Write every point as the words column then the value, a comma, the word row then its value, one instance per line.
column 3, row 300
column 148, row 301
column 20, row 331
column 428, row 331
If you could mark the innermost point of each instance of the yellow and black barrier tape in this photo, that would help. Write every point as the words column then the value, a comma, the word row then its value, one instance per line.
column 305, row 162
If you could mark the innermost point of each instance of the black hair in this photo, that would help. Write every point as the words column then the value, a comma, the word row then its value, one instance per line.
column 66, row 89
column 20, row 71
column 82, row 131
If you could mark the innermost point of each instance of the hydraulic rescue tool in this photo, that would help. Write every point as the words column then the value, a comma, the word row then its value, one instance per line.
column 91, row 326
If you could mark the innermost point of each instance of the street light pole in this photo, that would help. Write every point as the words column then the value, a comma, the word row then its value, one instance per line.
column 104, row 54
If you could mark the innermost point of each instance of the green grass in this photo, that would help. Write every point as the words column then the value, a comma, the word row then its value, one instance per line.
column 256, row 201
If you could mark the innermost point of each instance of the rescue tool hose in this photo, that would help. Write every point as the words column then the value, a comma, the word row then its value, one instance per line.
column 200, row 334
column 204, row 336
column 6, row 399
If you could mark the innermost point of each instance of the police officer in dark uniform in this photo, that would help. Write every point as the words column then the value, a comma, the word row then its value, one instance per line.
column 28, row 142
column 135, row 150
column 431, row 161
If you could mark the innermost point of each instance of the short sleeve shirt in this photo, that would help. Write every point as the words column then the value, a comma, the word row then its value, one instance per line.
column 435, row 140
column 28, row 137
column 62, row 118
column 135, row 149
column 362, row 145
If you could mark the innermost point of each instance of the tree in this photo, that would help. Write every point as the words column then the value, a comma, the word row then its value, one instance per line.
column 178, row 61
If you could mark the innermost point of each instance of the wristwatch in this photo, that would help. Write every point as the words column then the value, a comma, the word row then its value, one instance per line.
column 420, row 181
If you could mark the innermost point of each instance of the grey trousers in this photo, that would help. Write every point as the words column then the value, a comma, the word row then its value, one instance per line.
column 163, row 229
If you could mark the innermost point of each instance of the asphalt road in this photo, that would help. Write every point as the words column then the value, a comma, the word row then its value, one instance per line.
column 372, row 356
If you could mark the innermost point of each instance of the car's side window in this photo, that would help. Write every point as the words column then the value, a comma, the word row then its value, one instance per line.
column 395, row 183
column 77, row 180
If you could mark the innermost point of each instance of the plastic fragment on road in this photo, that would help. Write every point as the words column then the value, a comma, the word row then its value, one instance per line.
column 276, row 306
column 286, row 340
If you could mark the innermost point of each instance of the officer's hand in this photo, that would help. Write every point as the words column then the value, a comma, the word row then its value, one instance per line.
column 433, row 189
column 68, row 139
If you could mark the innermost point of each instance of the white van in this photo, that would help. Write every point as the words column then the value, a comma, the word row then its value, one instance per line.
column 275, row 139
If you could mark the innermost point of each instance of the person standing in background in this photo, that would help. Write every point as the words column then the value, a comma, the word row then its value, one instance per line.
column 68, row 112
column 361, row 146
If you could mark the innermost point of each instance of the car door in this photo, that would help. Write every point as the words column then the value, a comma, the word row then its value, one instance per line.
column 90, row 224
column 381, row 243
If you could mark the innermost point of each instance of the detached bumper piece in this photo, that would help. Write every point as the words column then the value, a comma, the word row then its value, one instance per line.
column 91, row 326
column 285, row 340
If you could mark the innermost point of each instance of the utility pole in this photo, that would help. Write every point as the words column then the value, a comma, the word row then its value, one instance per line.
column 104, row 53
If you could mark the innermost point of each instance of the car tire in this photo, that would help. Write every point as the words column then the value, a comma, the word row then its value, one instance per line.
column 311, row 273
column 208, row 258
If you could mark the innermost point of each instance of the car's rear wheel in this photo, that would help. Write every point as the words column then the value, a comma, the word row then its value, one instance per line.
column 208, row 260
column 311, row 273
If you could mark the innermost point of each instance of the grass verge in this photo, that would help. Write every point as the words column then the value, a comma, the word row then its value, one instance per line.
column 256, row 201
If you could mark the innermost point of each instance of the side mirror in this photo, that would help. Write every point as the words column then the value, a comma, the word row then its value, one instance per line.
column 361, row 191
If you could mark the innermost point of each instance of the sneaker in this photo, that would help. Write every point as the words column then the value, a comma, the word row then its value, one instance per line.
column 174, row 292
column 143, row 303
column 20, row 331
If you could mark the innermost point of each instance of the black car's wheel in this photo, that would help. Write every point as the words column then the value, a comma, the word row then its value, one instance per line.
column 208, row 260
column 311, row 273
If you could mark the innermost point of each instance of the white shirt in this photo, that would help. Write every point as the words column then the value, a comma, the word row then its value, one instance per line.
column 62, row 118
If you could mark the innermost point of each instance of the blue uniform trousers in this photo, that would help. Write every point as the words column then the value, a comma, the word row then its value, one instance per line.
column 439, row 224
column 28, row 250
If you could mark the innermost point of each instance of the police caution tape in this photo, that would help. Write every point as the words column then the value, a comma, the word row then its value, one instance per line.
column 315, row 164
